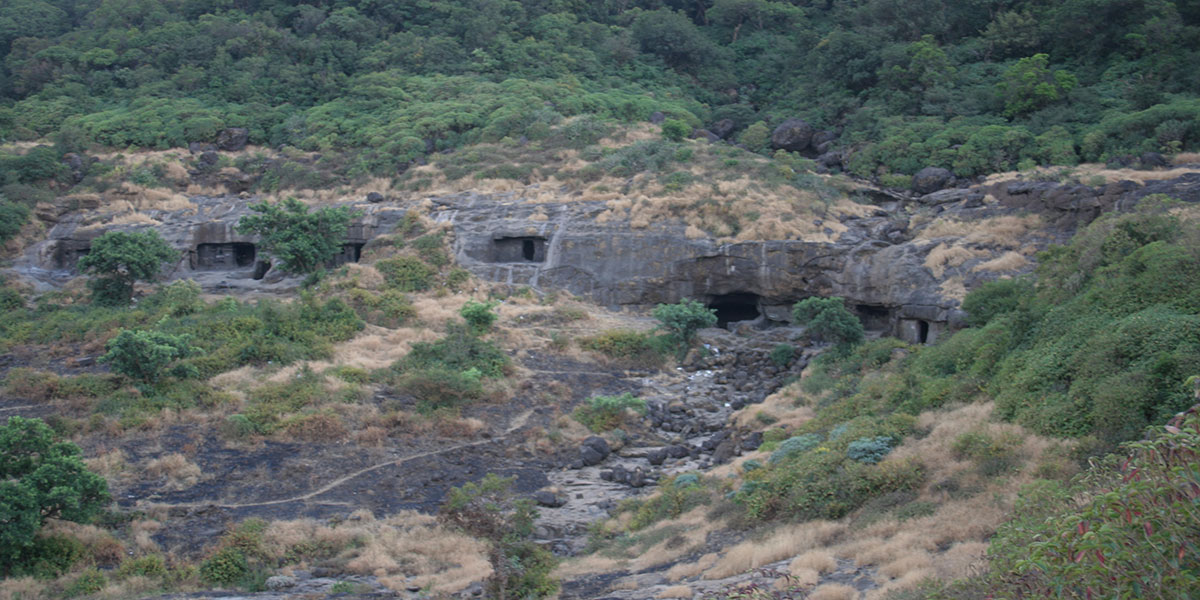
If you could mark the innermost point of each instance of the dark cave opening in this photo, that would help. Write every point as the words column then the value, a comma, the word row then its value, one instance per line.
column 261, row 268
column 243, row 254
column 528, row 249
column 519, row 249
column 923, row 331
column 874, row 317
column 735, row 307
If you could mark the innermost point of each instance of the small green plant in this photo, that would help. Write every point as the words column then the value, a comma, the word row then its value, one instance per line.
column 406, row 273
column 782, row 354
column 625, row 345
column 479, row 315
column 150, row 565
column 226, row 567
column 88, row 582
column 675, row 130
column 603, row 413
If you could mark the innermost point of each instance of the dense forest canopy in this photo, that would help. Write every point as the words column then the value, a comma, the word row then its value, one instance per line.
column 971, row 85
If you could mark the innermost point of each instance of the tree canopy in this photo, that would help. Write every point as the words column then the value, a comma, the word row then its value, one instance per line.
column 302, row 240
column 119, row 259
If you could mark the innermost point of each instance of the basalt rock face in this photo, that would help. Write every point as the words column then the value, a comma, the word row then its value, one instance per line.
column 876, row 264
column 211, row 251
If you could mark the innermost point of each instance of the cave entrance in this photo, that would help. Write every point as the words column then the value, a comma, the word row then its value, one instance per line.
column 261, row 268
column 519, row 249
column 874, row 317
column 735, row 307
column 923, row 332
column 225, row 256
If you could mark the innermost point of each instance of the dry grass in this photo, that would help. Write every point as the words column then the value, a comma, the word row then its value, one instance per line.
column 108, row 464
column 691, row 569
column 141, row 531
column 22, row 588
column 1186, row 158
column 180, row 472
column 820, row 561
column 587, row 565
column 676, row 591
column 1009, row 261
column 1001, row 232
column 833, row 591
column 785, row 542
column 406, row 545
column 945, row 256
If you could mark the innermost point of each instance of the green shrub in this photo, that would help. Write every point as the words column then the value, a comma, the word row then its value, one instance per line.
column 303, row 241
column 671, row 501
column 150, row 565
column 438, row 388
column 603, row 413
column 793, row 446
column 479, row 315
column 90, row 581
column 826, row 319
column 869, row 450
column 12, row 217
column 681, row 321
column 226, row 567
column 406, row 273
column 675, row 130
column 459, row 351
column 782, row 354
column 145, row 355
column 636, row 347
column 120, row 259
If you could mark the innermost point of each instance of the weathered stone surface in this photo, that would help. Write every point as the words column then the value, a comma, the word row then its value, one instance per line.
column 793, row 135
column 931, row 179
column 657, row 117
column 374, row 197
column 722, row 128
column 233, row 139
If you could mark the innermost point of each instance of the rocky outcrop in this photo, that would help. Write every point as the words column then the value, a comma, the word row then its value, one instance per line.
column 233, row 139
column 793, row 135
column 931, row 179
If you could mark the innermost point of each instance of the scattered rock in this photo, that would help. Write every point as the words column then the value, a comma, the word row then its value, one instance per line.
column 209, row 158
column 793, row 135
column 593, row 451
column 374, row 197
column 722, row 128
column 931, row 179
column 233, row 139
column 657, row 117
column 1153, row 160
column 201, row 147
column 280, row 582
column 549, row 499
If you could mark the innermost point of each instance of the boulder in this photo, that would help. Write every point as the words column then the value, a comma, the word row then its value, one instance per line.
column 656, row 457
column 793, row 135
column 374, row 197
column 821, row 138
column 280, row 582
column 704, row 134
column 1152, row 160
column 77, row 164
column 657, row 117
column 931, row 179
column 233, row 139
column 594, row 450
column 209, row 158
column 722, row 128
column 549, row 499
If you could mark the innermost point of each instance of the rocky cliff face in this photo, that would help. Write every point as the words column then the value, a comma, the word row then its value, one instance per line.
column 897, row 267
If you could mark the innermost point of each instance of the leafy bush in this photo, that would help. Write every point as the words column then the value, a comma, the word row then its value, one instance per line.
column 145, row 355
column 828, row 320
column 457, row 351
column 479, row 315
column 671, row 501
column 226, row 567
column 90, row 581
column 603, row 413
column 406, row 273
column 681, row 321
column 869, row 450
column 636, row 347
column 12, row 217
column 303, row 241
column 793, row 446
column 782, row 354
column 150, row 565
column 675, row 130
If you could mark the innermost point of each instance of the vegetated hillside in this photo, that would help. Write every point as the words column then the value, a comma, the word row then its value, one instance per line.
column 896, row 459
column 972, row 86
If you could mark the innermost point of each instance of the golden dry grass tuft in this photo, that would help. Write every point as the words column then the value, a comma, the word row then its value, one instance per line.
column 945, row 256
column 820, row 561
column 783, row 543
column 180, row 472
column 1009, row 261
column 407, row 548
column 676, row 591
column 687, row 570
column 833, row 591
column 23, row 588
column 1186, row 158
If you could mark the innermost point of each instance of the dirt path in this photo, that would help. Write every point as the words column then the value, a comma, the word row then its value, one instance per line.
column 517, row 422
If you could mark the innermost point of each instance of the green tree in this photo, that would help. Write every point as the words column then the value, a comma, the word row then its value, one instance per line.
column 40, row 479
column 1030, row 85
column 681, row 321
column 828, row 320
column 145, row 355
column 120, row 259
column 302, row 240
column 675, row 130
